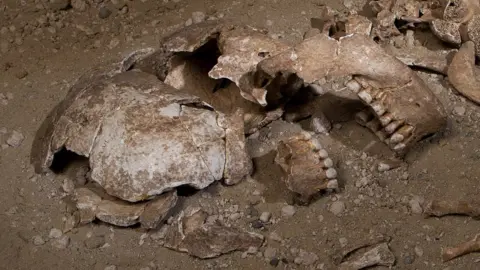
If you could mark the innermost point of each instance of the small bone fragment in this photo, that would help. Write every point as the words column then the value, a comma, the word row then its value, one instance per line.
column 194, row 234
column 463, row 74
column 157, row 209
column 439, row 208
column 451, row 253
column 378, row 256
column 345, row 252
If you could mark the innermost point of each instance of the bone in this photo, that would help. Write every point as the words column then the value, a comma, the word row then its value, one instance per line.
column 331, row 173
column 402, row 133
column 451, row 253
column 378, row 108
column 440, row 208
column 344, row 253
column 377, row 256
column 386, row 119
column 462, row 72
column 328, row 163
column 365, row 96
column 353, row 86
column 390, row 128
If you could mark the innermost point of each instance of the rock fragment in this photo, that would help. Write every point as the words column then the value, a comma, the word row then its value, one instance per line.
column 337, row 208
column 62, row 242
column 156, row 210
column 288, row 211
column 15, row 139
column 119, row 213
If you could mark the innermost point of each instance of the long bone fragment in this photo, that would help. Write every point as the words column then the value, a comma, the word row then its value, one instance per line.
column 439, row 208
column 451, row 253
column 463, row 74
column 381, row 81
column 377, row 256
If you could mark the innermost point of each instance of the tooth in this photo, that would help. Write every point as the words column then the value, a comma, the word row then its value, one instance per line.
column 332, row 184
column 328, row 163
column 374, row 125
column 390, row 128
column 378, row 108
column 365, row 96
column 399, row 147
column 353, row 86
column 405, row 131
column 363, row 117
column 386, row 119
column 396, row 138
column 323, row 153
column 331, row 173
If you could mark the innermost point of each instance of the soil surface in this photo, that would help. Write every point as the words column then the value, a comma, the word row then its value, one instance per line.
column 46, row 45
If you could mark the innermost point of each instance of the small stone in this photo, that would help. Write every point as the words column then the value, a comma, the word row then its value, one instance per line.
column 257, row 224
column 79, row 5
column 95, row 242
column 343, row 241
column 252, row 250
column 270, row 253
column 306, row 258
column 21, row 74
column 160, row 234
column 265, row 217
column 459, row 110
column 104, row 13
column 55, row 233
column 71, row 221
column 408, row 259
column 418, row 251
column 68, row 186
column 320, row 123
column 15, row 139
column 198, row 17
column 288, row 211
column 156, row 211
column 337, row 208
column 320, row 218
column 383, row 167
column 274, row 262
column 275, row 237
column 110, row 267
column 415, row 205
column 38, row 240
column 62, row 242
column 120, row 213
column 189, row 22
column 234, row 216
column 113, row 43
column 59, row 4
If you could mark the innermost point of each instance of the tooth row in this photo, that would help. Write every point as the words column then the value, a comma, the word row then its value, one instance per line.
column 393, row 132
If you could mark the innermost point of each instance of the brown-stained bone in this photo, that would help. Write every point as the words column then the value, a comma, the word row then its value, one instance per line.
column 419, row 56
column 397, row 97
column 341, row 255
column 377, row 256
column 470, row 246
column 306, row 166
column 194, row 234
column 440, row 208
column 463, row 74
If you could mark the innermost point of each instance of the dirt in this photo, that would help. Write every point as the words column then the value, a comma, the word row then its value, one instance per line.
column 44, row 48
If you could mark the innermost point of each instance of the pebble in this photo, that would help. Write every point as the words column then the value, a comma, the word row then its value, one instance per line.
column 198, row 17
column 270, row 253
column 104, row 13
column 79, row 5
column 38, row 240
column 21, row 74
column 55, row 233
column 343, row 241
column 418, row 251
column 337, row 208
column 288, row 211
column 95, row 242
column 234, row 216
column 257, row 224
column 306, row 258
column 189, row 22
column 110, row 267
column 59, row 4
column 275, row 237
column 62, row 242
column 415, row 206
column 68, row 186
column 383, row 167
column 265, row 216
column 459, row 110
column 15, row 139
column 408, row 259
column 274, row 262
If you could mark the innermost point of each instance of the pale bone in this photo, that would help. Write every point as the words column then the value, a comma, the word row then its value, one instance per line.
column 191, row 233
column 463, row 74
column 439, row 208
column 340, row 255
column 301, row 158
column 470, row 246
column 377, row 256
column 404, row 95
column 111, row 121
